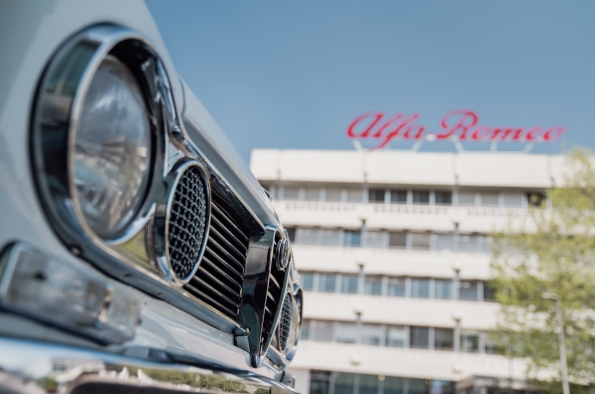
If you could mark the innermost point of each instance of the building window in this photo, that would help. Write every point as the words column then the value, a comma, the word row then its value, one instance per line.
column 333, row 194
column 373, row 285
column 396, row 287
column 420, row 288
column 468, row 291
column 346, row 333
column 393, row 385
column 349, row 284
column 291, row 192
column 470, row 341
column 443, row 289
column 421, row 197
column 307, row 280
column 307, row 236
column 305, row 333
column 371, row 334
column 443, row 338
column 376, row 195
column 489, row 293
column 418, row 386
column 492, row 347
column 329, row 237
column 397, row 240
column 312, row 193
column 375, row 239
column 396, row 336
column 320, row 382
column 398, row 196
column 512, row 200
column 466, row 199
column 420, row 241
column 368, row 384
column 321, row 330
column 489, row 199
column 420, row 337
column 467, row 243
column 355, row 195
column 352, row 238
column 291, row 233
column 327, row 283
column 535, row 199
column 443, row 198
column 344, row 383
column 444, row 242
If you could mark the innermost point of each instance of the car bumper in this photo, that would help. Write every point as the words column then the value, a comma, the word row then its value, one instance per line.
column 34, row 367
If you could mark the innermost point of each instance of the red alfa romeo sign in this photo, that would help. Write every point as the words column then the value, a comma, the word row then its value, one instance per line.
column 461, row 124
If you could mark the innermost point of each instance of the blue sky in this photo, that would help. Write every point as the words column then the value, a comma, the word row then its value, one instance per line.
column 294, row 74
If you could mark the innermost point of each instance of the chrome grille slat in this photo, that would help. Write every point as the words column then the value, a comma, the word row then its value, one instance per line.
column 219, row 278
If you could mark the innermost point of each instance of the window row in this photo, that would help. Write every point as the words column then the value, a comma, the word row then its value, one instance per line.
column 406, row 240
column 325, row 382
column 377, row 285
column 512, row 199
column 414, row 337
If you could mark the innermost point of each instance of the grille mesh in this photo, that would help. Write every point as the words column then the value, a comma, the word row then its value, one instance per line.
column 285, row 323
column 187, row 222
column 220, row 276
column 273, row 299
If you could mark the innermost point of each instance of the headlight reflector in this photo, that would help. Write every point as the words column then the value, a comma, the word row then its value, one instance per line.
column 111, row 150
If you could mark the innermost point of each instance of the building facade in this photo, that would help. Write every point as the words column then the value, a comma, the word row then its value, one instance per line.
column 394, row 250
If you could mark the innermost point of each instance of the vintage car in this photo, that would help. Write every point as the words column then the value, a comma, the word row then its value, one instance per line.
column 138, row 252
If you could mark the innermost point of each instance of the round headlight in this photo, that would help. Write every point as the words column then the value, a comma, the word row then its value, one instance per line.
column 111, row 150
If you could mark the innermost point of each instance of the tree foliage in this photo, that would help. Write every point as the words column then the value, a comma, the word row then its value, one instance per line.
column 552, row 251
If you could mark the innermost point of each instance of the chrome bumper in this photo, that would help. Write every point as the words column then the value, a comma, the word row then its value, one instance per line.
column 28, row 367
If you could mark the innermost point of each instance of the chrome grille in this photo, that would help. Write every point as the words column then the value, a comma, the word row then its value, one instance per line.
column 285, row 323
column 187, row 222
column 274, row 294
column 219, row 278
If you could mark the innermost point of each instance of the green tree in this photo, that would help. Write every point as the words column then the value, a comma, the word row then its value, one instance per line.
column 552, row 251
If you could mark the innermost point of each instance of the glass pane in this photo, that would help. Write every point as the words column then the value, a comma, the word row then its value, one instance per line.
column 396, row 336
column 291, row 192
column 418, row 386
column 307, row 236
column 398, row 240
column 319, row 382
column 330, row 237
column 489, row 199
column 442, row 387
column 307, row 280
column 376, row 195
column 398, row 196
column 421, row 197
column 443, row 338
column 396, row 287
column 355, row 195
column 469, row 341
column 312, row 193
column 291, row 233
column 323, row 330
column 443, row 198
column 327, row 283
column 420, row 288
column 420, row 337
column 492, row 347
column 349, row 284
column 513, row 200
column 368, row 384
column 488, row 292
column 375, row 239
column 393, row 385
column 443, row 289
column 468, row 291
column 343, row 383
column 333, row 194
column 352, row 238
column 484, row 244
column 305, row 334
column 420, row 241
column 466, row 199
column 444, row 242
column 371, row 334
column 467, row 243
column 346, row 333
column 373, row 285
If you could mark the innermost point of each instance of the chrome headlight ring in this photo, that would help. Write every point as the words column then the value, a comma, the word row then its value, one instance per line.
column 70, row 95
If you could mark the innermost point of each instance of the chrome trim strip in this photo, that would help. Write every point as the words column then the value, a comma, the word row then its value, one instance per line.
column 28, row 367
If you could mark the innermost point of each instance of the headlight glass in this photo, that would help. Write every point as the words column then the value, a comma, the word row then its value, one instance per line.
column 111, row 151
